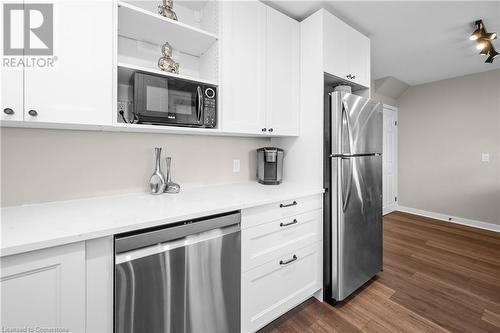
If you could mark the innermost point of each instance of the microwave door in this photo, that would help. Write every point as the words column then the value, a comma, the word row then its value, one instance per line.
column 186, row 103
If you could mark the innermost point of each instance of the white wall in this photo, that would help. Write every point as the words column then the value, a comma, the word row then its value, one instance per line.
column 444, row 127
column 39, row 165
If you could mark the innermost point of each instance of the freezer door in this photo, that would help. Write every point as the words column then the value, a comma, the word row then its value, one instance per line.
column 356, row 124
column 359, row 222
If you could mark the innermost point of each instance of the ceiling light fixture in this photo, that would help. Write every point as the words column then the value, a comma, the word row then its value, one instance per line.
column 484, row 39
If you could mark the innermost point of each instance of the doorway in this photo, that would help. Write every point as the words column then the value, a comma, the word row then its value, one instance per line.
column 390, row 159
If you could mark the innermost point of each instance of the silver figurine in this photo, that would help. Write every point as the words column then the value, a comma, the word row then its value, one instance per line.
column 166, row 10
column 166, row 63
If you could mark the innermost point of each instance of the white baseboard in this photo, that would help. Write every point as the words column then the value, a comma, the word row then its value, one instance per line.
column 454, row 219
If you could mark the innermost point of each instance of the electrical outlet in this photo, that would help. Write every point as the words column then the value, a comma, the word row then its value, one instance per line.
column 236, row 165
column 485, row 157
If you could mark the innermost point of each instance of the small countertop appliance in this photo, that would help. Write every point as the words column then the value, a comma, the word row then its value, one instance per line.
column 270, row 165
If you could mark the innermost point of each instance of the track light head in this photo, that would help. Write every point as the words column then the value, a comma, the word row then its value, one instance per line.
column 482, row 44
column 485, row 50
column 492, row 55
column 478, row 32
column 490, row 35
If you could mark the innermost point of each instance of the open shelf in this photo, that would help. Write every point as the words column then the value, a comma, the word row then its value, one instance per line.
column 127, row 70
column 142, row 25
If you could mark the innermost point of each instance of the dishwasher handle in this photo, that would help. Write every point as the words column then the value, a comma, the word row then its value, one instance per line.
column 145, row 239
column 186, row 241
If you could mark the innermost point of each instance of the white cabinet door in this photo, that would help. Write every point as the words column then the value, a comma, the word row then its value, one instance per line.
column 282, row 79
column 243, row 66
column 11, row 78
column 359, row 57
column 335, row 42
column 346, row 52
column 44, row 288
column 78, row 88
column 11, row 94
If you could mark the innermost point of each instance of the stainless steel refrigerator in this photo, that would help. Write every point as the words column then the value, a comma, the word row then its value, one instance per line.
column 353, row 200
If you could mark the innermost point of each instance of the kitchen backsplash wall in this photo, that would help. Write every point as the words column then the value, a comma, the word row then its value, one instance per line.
column 39, row 165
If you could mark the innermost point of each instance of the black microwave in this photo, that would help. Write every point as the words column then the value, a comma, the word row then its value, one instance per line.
column 172, row 101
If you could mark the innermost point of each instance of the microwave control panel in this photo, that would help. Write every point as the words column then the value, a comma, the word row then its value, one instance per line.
column 210, row 108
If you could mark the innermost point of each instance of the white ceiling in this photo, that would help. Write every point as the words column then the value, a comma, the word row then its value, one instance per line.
column 415, row 42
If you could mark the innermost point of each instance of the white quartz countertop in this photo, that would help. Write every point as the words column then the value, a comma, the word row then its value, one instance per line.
column 31, row 227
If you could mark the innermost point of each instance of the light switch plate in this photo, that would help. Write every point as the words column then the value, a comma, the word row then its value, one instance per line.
column 236, row 165
column 485, row 157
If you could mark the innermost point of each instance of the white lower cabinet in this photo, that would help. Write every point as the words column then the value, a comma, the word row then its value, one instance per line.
column 44, row 289
column 282, row 258
column 272, row 289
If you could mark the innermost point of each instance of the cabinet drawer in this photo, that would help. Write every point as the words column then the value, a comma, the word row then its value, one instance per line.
column 267, row 213
column 272, row 289
column 271, row 240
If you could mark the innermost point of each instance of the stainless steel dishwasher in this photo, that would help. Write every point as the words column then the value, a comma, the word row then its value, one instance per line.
column 182, row 278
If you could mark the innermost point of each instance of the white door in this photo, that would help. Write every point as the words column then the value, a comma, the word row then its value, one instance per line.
column 282, row 79
column 11, row 76
column 390, row 165
column 78, row 88
column 44, row 288
column 243, row 67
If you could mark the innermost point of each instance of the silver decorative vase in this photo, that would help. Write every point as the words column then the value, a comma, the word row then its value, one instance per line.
column 171, row 187
column 157, row 181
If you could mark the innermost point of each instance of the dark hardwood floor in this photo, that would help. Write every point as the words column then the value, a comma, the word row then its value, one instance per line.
column 438, row 277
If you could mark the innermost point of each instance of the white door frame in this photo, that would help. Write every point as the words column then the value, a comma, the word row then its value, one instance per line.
column 395, row 110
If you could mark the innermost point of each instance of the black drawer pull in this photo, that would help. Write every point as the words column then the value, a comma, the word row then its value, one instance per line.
column 289, row 223
column 294, row 203
column 286, row 262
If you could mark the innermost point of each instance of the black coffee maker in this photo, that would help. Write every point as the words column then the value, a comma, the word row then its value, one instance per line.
column 270, row 165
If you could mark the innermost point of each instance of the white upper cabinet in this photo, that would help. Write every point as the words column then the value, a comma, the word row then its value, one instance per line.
column 260, row 70
column 11, row 82
column 346, row 52
column 11, row 93
column 77, row 89
column 282, row 73
column 243, row 66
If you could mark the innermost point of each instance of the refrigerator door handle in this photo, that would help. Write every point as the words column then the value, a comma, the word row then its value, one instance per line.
column 345, row 200
column 345, row 115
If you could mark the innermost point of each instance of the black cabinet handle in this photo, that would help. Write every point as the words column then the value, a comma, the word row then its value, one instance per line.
column 8, row 111
column 264, row 129
column 33, row 113
column 271, row 129
column 286, row 262
column 294, row 203
column 289, row 223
